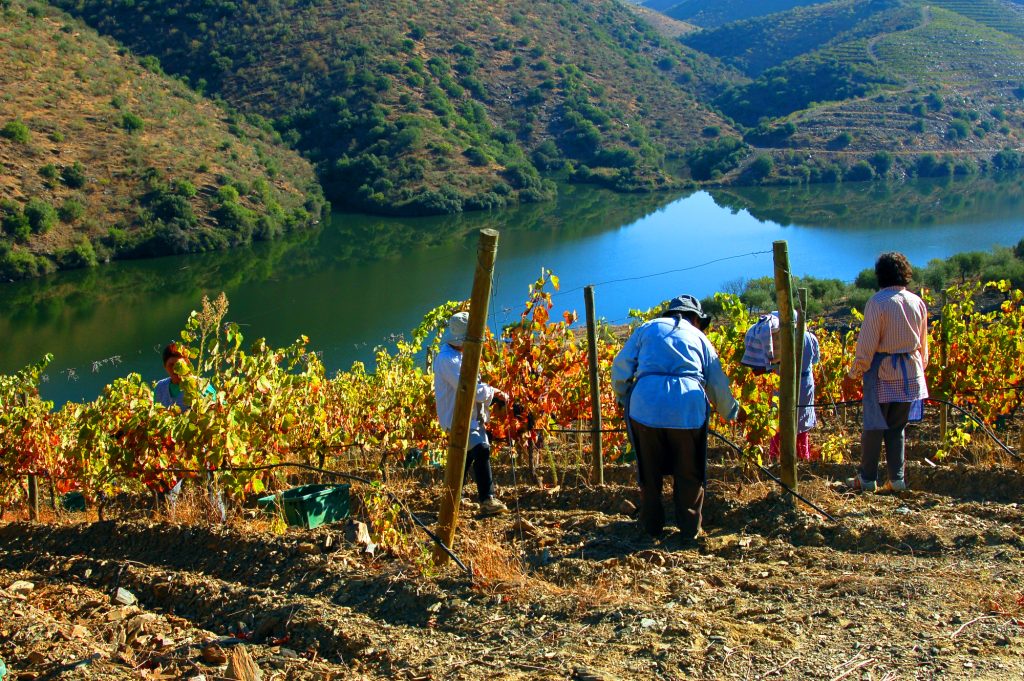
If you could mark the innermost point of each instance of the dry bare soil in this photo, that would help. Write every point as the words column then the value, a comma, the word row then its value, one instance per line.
column 926, row 584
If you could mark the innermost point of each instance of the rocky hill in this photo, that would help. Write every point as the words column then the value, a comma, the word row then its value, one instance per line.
column 103, row 156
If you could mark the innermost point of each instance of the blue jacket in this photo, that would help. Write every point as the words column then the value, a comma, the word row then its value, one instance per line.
column 669, row 370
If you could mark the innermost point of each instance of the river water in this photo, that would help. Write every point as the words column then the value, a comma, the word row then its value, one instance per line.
column 356, row 282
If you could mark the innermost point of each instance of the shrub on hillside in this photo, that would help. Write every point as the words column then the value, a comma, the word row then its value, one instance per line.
column 41, row 215
column 74, row 175
column 760, row 169
column 841, row 141
column 13, row 221
column 861, row 171
column 131, row 122
column 78, row 256
column 958, row 130
column 716, row 158
column 15, row 131
column 71, row 210
column 49, row 172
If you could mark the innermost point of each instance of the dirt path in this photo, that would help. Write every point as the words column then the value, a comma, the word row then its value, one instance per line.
column 927, row 584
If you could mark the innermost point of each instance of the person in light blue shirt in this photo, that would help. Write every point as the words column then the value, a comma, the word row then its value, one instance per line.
column 168, row 393
column 666, row 375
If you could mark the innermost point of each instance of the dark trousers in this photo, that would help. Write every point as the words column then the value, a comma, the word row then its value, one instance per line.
column 896, row 415
column 681, row 453
column 479, row 458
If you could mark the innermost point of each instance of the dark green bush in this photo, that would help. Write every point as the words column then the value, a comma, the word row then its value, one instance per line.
column 131, row 122
column 41, row 215
column 74, row 175
column 958, row 130
column 16, row 131
column 78, row 256
column 861, row 171
column 71, row 210
column 841, row 141
column 13, row 221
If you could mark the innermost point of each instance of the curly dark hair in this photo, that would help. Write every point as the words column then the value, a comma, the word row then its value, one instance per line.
column 893, row 269
column 173, row 349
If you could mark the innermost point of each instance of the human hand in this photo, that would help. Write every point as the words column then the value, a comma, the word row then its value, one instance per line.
column 741, row 416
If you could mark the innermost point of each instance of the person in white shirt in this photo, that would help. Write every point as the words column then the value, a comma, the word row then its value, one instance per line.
column 666, row 375
column 447, row 365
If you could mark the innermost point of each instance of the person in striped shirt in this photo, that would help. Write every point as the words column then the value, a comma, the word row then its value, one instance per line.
column 892, row 353
column 761, row 354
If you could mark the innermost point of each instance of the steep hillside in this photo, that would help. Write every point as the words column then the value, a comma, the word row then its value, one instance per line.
column 662, row 23
column 441, row 105
column 754, row 45
column 711, row 13
column 870, row 88
column 102, row 158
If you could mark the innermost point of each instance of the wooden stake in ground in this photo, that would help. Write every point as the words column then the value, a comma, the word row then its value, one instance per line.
column 788, row 371
column 595, row 387
column 943, row 351
column 33, row 497
column 465, row 395
column 798, row 347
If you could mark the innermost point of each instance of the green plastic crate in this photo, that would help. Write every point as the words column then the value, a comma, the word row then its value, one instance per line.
column 314, row 505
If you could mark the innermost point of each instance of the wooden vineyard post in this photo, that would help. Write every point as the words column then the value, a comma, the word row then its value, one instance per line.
column 788, row 372
column 33, row 497
column 943, row 351
column 465, row 395
column 798, row 347
column 595, row 387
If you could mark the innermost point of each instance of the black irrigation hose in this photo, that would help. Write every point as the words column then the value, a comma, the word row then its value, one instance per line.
column 981, row 424
column 774, row 477
column 963, row 410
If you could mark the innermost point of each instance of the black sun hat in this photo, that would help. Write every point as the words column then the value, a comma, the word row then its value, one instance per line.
column 687, row 303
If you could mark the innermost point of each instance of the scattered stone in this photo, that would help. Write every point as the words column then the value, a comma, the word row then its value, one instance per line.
column 21, row 588
column 526, row 528
column 359, row 534
column 307, row 548
column 124, row 597
column 291, row 654
column 241, row 666
column 213, row 654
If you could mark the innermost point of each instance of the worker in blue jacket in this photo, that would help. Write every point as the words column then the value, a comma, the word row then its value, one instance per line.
column 666, row 376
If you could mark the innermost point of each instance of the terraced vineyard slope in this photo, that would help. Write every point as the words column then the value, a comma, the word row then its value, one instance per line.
column 102, row 156
column 439, row 106
column 926, row 88
column 711, row 13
